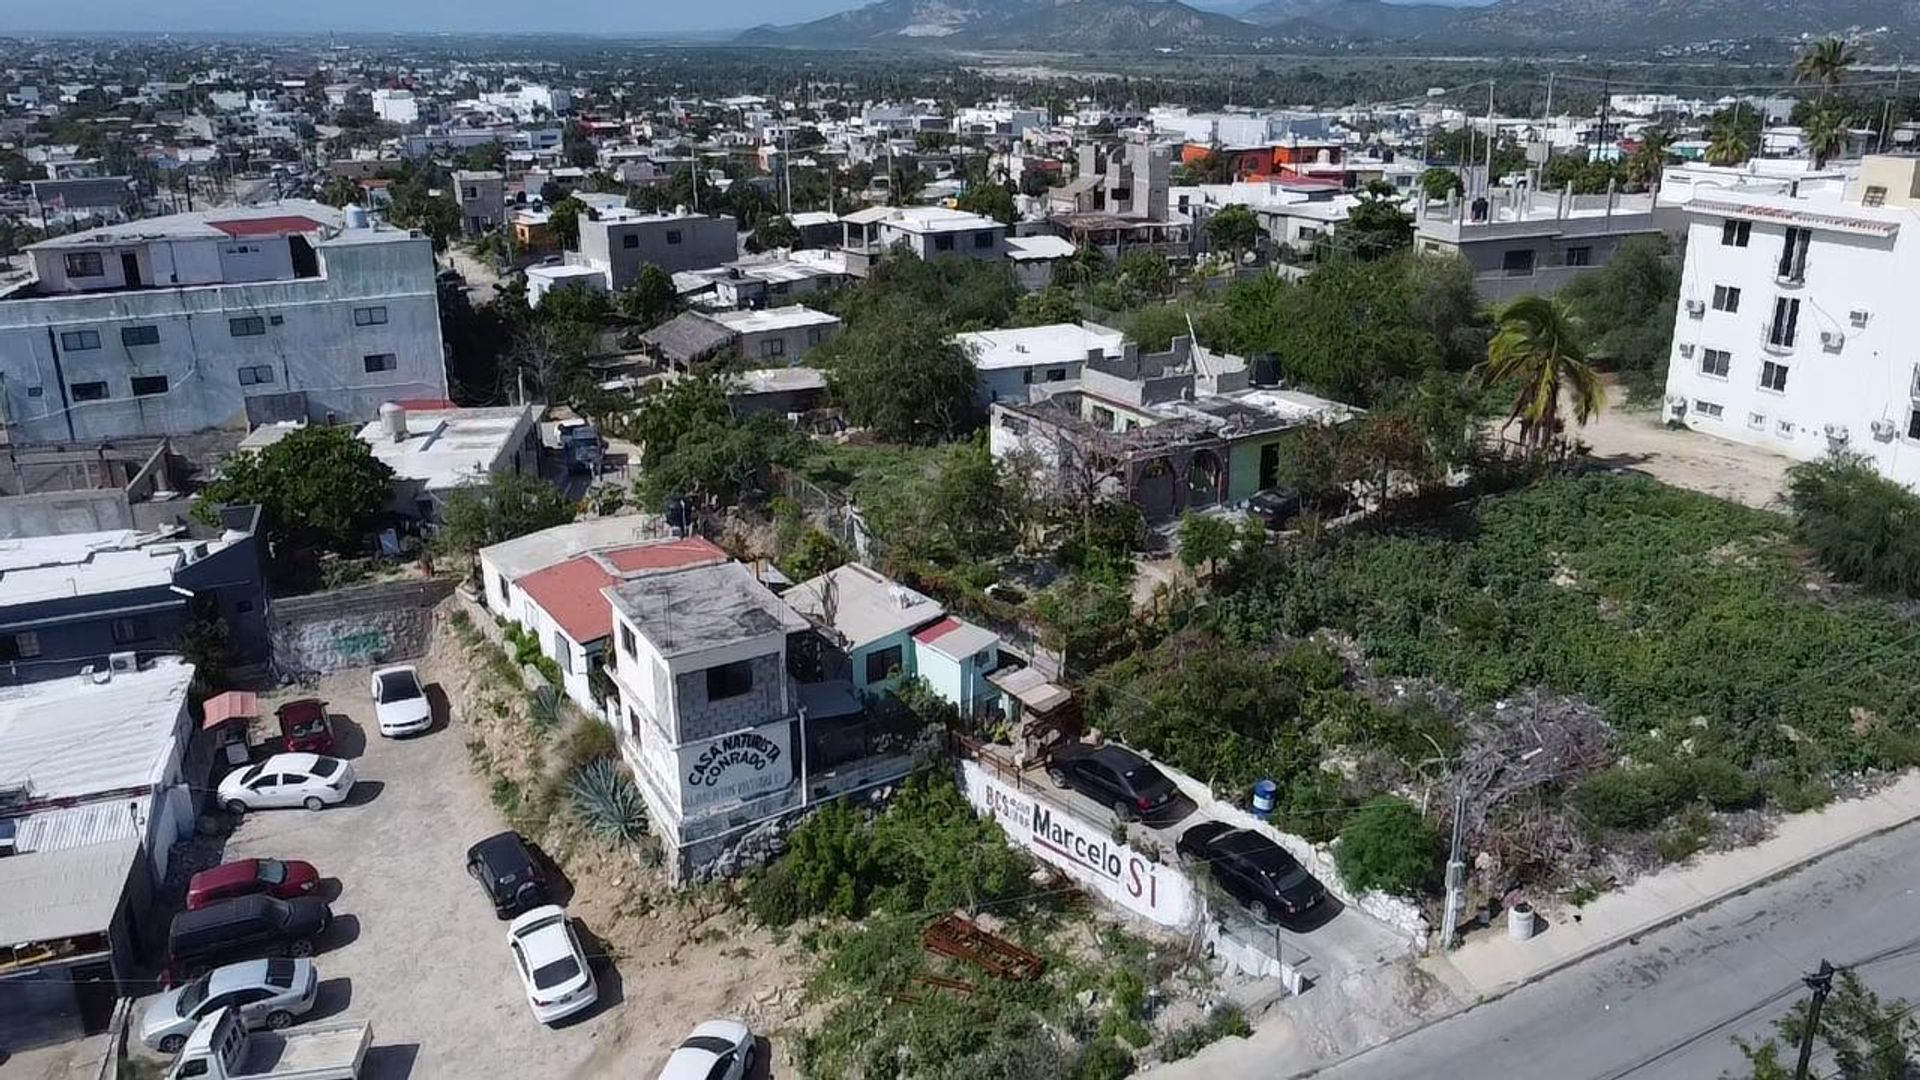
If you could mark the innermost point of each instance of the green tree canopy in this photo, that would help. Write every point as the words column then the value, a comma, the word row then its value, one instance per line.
column 1204, row 541
column 651, row 299
column 691, row 444
column 319, row 488
column 1051, row 305
column 774, row 231
column 564, row 223
column 1234, row 230
column 1387, row 845
column 989, row 200
column 505, row 506
column 1630, row 304
column 1438, row 182
column 898, row 372
column 1376, row 225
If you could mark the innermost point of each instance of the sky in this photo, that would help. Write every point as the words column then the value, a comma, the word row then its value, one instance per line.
column 479, row 16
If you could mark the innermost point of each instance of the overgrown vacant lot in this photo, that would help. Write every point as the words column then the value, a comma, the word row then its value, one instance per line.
column 1661, row 654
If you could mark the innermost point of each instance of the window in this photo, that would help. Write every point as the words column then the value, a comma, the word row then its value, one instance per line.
column 470, row 192
column 983, row 240
column 256, row 375
column 1580, row 256
column 1783, row 429
column 1757, row 421
column 80, row 340
column 1773, row 377
column 882, row 663
column 149, row 385
column 128, row 631
column 673, row 236
column 815, row 335
column 385, row 361
column 1103, row 417
column 1876, row 195
column 1786, row 322
column 626, row 641
column 86, row 264
column 247, row 326
column 773, row 347
column 370, row 316
column 1735, row 233
column 1913, row 423
column 89, row 391
column 1058, row 374
column 1708, row 408
column 1726, row 298
column 729, row 680
column 943, row 243
column 1793, row 255
column 242, row 607
column 24, row 645
column 631, row 240
column 1715, row 362
column 1518, row 263
column 139, row 335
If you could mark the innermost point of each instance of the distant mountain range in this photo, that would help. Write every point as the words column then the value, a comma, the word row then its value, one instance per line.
column 1128, row 25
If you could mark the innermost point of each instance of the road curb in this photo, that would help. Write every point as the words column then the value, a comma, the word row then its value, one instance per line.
column 1652, row 926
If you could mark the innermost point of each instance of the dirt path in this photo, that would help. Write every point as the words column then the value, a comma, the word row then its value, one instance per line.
column 1638, row 439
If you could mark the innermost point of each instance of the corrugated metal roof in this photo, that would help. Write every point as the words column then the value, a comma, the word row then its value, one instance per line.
column 62, row 894
column 69, row 737
column 80, row 826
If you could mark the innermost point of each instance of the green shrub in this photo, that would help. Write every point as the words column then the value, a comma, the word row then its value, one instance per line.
column 607, row 802
column 1796, row 794
column 1684, row 836
column 1639, row 797
column 1862, row 526
column 589, row 740
column 1724, row 785
column 1224, row 1021
column 1126, row 1003
column 773, row 896
column 1387, row 845
column 1103, row 1059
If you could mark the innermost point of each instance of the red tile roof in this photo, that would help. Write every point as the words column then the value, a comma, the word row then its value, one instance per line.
column 267, row 226
column 664, row 555
column 569, row 593
column 927, row 635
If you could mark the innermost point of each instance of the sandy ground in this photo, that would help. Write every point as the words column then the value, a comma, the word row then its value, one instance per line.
column 1637, row 439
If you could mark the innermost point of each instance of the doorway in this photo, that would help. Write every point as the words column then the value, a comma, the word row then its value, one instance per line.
column 130, row 269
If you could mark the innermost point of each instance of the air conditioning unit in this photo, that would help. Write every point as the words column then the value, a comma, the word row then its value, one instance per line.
column 1676, row 406
column 1883, row 430
column 1857, row 317
column 1837, row 434
column 1832, row 340
column 123, row 663
column 1696, row 308
column 1686, row 349
column 1913, row 391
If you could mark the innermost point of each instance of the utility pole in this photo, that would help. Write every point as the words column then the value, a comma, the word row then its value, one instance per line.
column 1886, row 112
column 1489, row 191
column 1821, row 983
column 1456, row 871
column 1549, row 116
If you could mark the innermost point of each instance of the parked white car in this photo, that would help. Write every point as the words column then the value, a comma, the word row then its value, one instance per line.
column 263, row 993
column 400, row 702
column 552, row 964
column 308, row 780
column 717, row 1050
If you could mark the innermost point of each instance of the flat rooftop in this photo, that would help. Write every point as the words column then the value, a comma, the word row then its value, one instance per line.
column 787, row 318
column 707, row 607
column 534, row 551
column 446, row 448
column 922, row 219
column 867, row 605
column 1055, row 343
column 71, row 737
column 39, row 568
column 293, row 216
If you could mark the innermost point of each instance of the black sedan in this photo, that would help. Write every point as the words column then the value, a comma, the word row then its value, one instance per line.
column 1114, row 776
column 509, row 872
column 1253, row 870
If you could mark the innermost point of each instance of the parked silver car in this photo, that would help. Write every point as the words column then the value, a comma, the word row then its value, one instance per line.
column 264, row 993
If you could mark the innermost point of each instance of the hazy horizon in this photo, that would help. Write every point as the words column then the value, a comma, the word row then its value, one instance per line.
column 440, row 16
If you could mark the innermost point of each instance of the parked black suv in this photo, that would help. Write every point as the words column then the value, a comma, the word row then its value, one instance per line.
column 244, row 928
column 1253, row 870
column 509, row 872
column 1114, row 776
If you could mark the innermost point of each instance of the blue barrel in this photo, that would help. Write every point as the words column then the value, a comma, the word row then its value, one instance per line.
column 1263, row 793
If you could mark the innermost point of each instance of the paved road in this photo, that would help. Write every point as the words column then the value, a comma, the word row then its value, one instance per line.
column 1665, row 1008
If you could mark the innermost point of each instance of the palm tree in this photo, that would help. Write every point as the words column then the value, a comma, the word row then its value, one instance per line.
column 1827, row 135
column 1824, row 62
column 1644, row 166
column 1539, row 349
column 1727, row 145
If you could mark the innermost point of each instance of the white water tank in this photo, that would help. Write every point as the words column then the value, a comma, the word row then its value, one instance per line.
column 1521, row 922
column 393, row 420
column 358, row 218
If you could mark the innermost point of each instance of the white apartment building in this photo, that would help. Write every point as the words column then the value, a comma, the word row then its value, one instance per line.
column 1796, row 320
column 396, row 106
column 222, row 318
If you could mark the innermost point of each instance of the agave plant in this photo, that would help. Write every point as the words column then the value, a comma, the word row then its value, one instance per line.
column 545, row 708
column 607, row 802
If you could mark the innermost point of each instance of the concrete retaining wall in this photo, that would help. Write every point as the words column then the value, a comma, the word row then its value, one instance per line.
column 368, row 624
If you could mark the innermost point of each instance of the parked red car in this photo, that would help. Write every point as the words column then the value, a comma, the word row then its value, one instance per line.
column 286, row 879
column 305, row 727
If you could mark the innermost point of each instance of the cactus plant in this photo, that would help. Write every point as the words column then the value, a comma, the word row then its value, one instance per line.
column 607, row 802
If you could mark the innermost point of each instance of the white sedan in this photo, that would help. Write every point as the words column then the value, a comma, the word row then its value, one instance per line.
column 552, row 964
column 308, row 780
column 717, row 1050
column 399, row 703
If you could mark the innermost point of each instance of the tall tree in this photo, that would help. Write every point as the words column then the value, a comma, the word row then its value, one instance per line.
column 1646, row 161
column 989, row 200
column 1438, row 182
column 320, row 488
column 1727, row 144
column 564, row 222
column 1828, row 135
column 651, row 299
column 1629, row 304
column 1235, row 229
column 1824, row 63
column 1540, row 352
column 504, row 506
column 1376, row 225
column 902, row 375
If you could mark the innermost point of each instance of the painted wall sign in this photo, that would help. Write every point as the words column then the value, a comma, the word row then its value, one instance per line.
column 738, row 766
column 1086, row 851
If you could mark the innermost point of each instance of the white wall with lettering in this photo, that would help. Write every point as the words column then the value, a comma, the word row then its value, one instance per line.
column 1085, row 851
column 736, row 767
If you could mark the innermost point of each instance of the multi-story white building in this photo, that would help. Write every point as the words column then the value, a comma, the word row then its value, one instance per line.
column 396, row 106
column 1796, row 320
column 223, row 318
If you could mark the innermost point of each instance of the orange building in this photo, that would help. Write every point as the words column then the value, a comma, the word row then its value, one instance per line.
column 1293, row 159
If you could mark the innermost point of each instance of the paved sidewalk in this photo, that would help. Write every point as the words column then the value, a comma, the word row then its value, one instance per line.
column 1492, row 963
